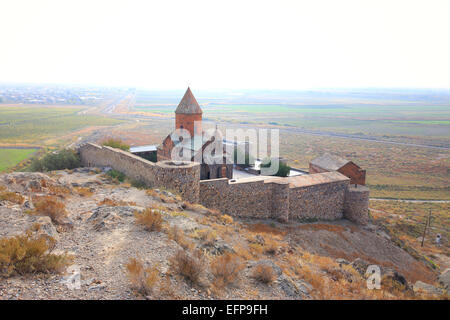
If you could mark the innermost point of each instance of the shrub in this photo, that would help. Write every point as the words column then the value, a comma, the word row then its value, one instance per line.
column 150, row 218
column 138, row 184
column 226, row 219
column 163, row 197
column 188, row 264
column 56, row 190
column 63, row 159
column 142, row 279
column 177, row 235
column 26, row 255
column 283, row 169
column 226, row 269
column 52, row 207
column 12, row 197
column 84, row 192
column 116, row 143
column 116, row 176
column 114, row 203
column 264, row 273
column 207, row 236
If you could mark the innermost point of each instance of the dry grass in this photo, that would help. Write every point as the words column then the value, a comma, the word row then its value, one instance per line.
column 226, row 269
column 11, row 197
column 177, row 235
column 207, row 236
column 226, row 219
column 115, row 203
column 83, row 192
column 264, row 228
column 55, row 190
column 243, row 252
column 142, row 279
column 189, row 264
column 50, row 206
column 264, row 273
column 150, row 218
column 162, row 197
column 27, row 255
column 271, row 246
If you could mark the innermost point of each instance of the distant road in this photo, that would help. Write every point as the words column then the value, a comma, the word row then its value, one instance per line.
column 371, row 139
column 111, row 107
column 412, row 201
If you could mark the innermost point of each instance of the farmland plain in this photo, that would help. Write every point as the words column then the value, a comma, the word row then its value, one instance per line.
column 11, row 157
column 25, row 127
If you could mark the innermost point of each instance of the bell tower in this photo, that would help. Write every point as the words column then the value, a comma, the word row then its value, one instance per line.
column 188, row 112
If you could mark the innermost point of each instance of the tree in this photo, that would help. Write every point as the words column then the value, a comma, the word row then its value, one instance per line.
column 283, row 169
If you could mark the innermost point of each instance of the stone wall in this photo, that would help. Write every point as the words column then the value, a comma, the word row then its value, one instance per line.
column 183, row 178
column 320, row 196
column 323, row 201
column 356, row 206
column 244, row 197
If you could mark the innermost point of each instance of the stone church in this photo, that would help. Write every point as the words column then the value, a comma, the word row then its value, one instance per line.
column 188, row 116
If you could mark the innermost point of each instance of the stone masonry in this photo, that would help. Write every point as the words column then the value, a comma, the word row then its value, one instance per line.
column 182, row 178
column 321, row 196
column 357, row 204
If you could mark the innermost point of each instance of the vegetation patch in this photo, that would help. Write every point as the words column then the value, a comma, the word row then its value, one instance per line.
column 189, row 264
column 116, row 143
column 24, row 254
column 50, row 206
column 11, row 157
column 11, row 197
column 150, row 218
column 142, row 279
column 226, row 269
column 60, row 160
column 264, row 273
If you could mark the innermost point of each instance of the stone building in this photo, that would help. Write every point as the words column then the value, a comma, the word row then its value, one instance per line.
column 188, row 116
column 328, row 162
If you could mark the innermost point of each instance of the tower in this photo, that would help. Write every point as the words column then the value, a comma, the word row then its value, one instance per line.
column 188, row 112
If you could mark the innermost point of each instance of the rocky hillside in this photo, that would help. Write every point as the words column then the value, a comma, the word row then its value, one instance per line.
column 123, row 242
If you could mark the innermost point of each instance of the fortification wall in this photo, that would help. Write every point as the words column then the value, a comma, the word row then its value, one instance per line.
column 183, row 178
column 319, row 201
column 323, row 196
column 248, row 198
column 356, row 206
column 320, row 197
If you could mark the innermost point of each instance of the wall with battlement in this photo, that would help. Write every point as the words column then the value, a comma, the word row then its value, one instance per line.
column 321, row 196
column 249, row 197
column 323, row 201
column 182, row 178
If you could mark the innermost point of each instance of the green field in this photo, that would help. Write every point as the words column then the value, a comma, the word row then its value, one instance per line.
column 33, row 125
column 386, row 121
column 10, row 157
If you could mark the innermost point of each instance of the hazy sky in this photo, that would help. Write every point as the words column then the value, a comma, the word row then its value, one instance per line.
column 227, row 44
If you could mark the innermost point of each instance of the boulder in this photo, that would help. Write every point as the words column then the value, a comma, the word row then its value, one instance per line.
column 360, row 265
column 444, row 278
column 105, row 217
column 396, row 278
column 218, row 247
column 342, row 262
column 47, row 227
column 422, row 287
